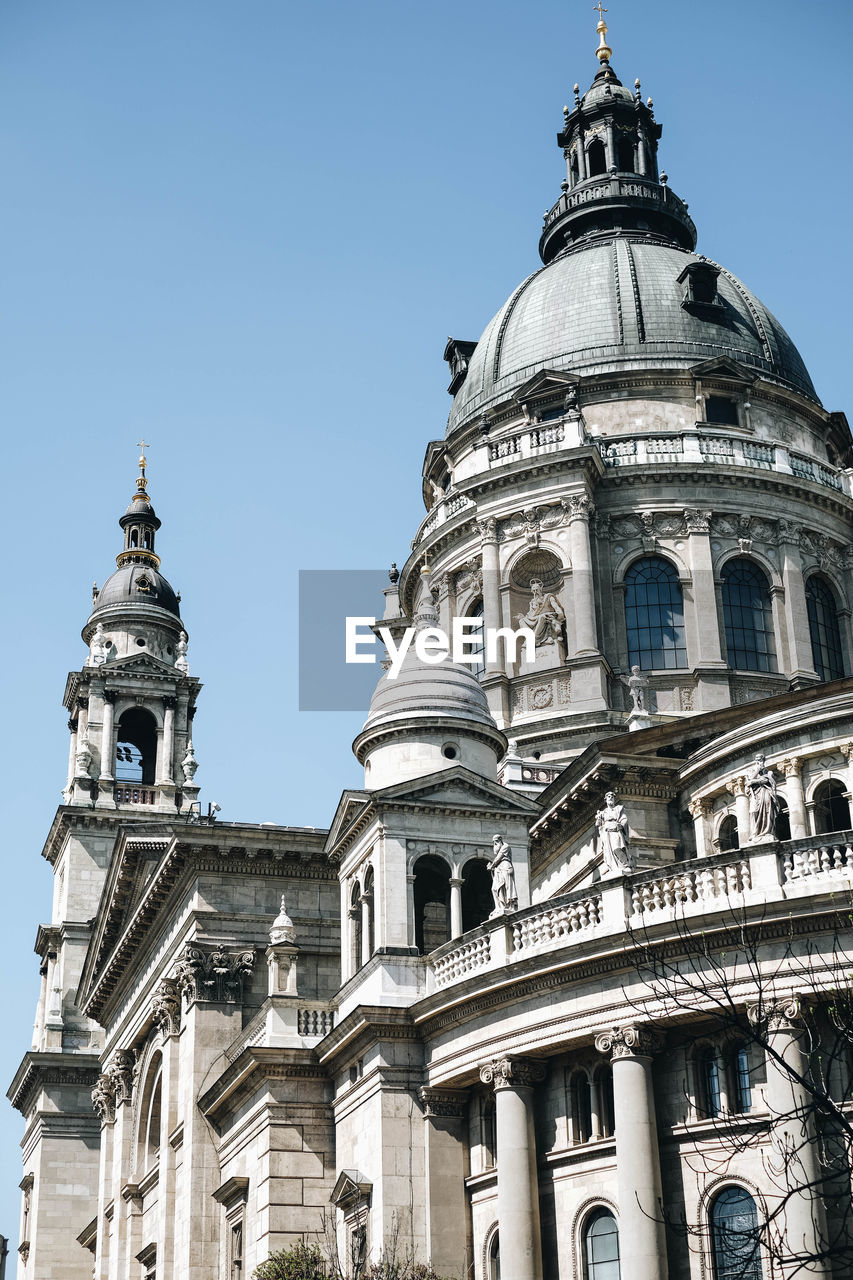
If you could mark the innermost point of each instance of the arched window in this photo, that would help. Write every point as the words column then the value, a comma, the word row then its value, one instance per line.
column 824, row 629
column 601, row 1247
column 134, row 537
column 150, row 1115
column 831, row 809
column 728, row 837
column 748, row 617
column 710, row 1082
column 734, row 1236
column 574, row 170
column 783, row 821
column 654, row 615
column 355, row 927
column 369, row 895
column 581, row 1107
column 477, row 900
column 476, row 642
column 741, row 1079
column 136, row 747
column 495, row 1258
column 625, row 155
column 432, row 903
column 596, row 158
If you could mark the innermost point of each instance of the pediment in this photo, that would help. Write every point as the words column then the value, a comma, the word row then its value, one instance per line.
column 143, row 662
column 351, row 806
column 543, row 381
column 724, row 367
column 350, row 1186
column 460, row 788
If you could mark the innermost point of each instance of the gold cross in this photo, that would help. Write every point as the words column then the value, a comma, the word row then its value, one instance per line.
column 143, row 444
column 601, row 11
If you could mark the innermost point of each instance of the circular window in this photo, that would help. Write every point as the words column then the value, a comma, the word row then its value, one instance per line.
column 140, row 642
column 449, row 751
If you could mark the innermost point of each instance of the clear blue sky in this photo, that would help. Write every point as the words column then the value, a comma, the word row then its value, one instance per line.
column 245, row 231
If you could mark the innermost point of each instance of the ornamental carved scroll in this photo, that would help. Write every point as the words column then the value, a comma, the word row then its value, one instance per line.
column 215, row 975
column 513, row 1073
column 777, row 1015
column 628, row 1042
column 115, row 1084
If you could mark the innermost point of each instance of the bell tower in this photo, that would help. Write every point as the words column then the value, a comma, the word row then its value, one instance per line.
column 131, row 705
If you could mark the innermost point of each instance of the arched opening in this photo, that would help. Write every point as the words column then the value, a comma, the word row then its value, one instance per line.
column 134, row 537
column 581, row 1107
column 654, row 615
column 783, row 822
column 831, row 807
column 136, row 747
column 432, row 903
column 728, row 838
column 735, row 1241
column 601, row 1247
column 369, row 897
column 824, row 629
column 748, row 617
column 477, row 901
column 625, row 155
column 150, row 1116
column 146, row 541
column 573, row 170
column 476, row 642
column 740, row 1087
column 596, row 158
column 355, row 927
column 495, row 1258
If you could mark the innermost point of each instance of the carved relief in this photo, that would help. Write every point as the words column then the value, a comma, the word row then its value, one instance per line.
column 166, row 1007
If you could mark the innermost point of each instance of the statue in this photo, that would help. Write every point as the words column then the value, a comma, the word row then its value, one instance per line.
column 189, row 764
column 545, row 615
column 612, row 825
column 504, row 891
column 763, row 800
column 99, row 647
column 181, row 663
column 83, row 758
column 637, row 686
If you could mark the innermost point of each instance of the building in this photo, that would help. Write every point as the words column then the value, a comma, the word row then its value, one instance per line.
column 248, row 1033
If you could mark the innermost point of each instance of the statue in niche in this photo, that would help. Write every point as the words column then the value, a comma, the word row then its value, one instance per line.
column 504, row 891
column 637, row 685
column 612, row 826
column 545, row 615
column 99, row 648
column 764, row 800
column 181, row 663
column 83, row 758
column 189, row 764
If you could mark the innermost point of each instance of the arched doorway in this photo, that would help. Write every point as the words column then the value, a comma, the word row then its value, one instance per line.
column 136, row 747
column 432, row 903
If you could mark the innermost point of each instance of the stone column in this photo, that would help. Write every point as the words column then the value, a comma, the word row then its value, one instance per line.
column 518, row 1182
column 610, row 146
column 107, row 745
column 445, row 1169
column 595, row 1126
column 456, row 906
column 166, row 1012
column 737, row 787
column 704, row 644
column 700, row 812
column 801, row 663
column 72, row 755
column 800, row 1182
column 795, row 795
column 641, row 1227
column 580, row 512
column 491, row 588
column 365, row 928
column 167, row 766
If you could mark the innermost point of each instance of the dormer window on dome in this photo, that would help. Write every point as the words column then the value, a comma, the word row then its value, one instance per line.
column 699, row 281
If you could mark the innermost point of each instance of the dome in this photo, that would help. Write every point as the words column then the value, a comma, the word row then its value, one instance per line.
column 617, row 305
column 127, row 586
column 446, row 691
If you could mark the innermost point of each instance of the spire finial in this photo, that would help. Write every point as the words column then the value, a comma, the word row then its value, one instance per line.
column 141, row 481
column 604, row 53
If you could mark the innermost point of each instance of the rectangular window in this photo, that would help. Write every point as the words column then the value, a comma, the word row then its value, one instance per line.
column 721, row 410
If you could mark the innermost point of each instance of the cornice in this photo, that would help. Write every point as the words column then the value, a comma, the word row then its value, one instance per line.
column 251, row 1068
column 39, row 1069
column 369, row 1023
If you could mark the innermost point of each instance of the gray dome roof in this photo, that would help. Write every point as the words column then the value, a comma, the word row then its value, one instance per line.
column 616, row 305
column 445, row 691
column 122, row 587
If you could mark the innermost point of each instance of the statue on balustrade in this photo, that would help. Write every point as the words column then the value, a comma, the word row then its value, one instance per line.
column 637, row 685
column 99, row 649
column 613, row 842
column 545, row 615
column 504, row 891
column 764, row 800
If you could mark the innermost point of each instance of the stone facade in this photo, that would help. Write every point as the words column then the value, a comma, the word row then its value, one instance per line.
column 456, row 1017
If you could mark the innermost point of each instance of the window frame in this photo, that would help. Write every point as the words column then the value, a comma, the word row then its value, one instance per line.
column 736, row 609
column 589, row 1266
column 826, row 648
column 756, row 1267
column 639, row 608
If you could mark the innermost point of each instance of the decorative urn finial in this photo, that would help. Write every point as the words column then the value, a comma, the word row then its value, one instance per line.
column 282, row 929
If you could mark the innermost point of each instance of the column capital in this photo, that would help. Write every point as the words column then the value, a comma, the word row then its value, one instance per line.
column 166, row 1007
column 488, row 529
column 513, row 1073
column 778, row 1015
column 737, row 785
column 628, row 1042
column 73, row 724
column 700, row 808
column 793, row 765
column 214, row 975
column 846, row 750
column 696, row 521
column 110, row 695
column 443, row 1104
column 579, row 507
column 170, row 702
